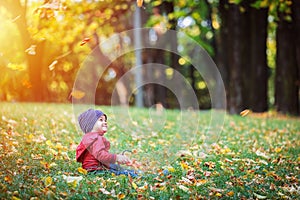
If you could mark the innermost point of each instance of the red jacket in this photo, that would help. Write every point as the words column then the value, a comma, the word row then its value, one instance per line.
column 93, row 152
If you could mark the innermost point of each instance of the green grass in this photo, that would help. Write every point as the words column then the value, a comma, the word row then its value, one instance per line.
column 255, row 156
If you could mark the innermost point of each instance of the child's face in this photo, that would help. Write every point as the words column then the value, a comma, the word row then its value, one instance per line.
column 101, row 125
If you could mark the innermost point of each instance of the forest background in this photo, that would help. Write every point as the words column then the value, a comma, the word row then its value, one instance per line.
column 254, row 43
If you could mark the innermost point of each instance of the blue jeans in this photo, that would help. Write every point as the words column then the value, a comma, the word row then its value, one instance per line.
column 117, row 170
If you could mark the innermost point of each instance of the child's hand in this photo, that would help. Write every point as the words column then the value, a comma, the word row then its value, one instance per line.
column 123, row 159
column 134, row 163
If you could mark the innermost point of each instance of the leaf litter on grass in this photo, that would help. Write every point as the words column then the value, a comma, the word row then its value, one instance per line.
column 256, row 157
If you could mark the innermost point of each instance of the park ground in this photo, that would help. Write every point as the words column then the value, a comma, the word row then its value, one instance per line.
column 257, row 156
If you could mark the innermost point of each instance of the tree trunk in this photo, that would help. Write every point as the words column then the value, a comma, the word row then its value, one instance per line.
column 34, row 62
column 235, row 58
column 286, row 88
column 221, row 41
column 258, row 80
column 296, row 25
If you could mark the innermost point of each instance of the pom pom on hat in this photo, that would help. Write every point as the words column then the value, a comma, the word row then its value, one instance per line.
column 88, row 119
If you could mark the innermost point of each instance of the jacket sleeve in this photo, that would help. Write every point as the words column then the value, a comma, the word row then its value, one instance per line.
column 100, row 152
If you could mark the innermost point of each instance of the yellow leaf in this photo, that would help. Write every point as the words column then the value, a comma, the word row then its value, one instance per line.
column 77, row 94
column 278, row 149
column 184, row 165
column 48, row 181
column 231, row 193
column 121, row 196
column 163, row 188
column 134, row 185
column 82, row 171
column 15, row 198
column 171, row 169
column 218, row 194
column 245, row 112
column 200, row 182
column 49, row 143
column 8, row 179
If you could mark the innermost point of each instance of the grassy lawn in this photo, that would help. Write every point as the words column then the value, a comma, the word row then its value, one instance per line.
column 256, row 156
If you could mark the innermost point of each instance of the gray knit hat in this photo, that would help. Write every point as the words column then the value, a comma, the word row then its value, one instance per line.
column 88, row 119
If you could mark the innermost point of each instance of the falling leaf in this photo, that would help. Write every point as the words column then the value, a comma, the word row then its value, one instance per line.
column 77, row 94
column 31, row 50
column 15, row 19
column 245, row 112
column 139, row 3
column 82, row 171
column 84, row 41
column 48, row 181
column 52, row 65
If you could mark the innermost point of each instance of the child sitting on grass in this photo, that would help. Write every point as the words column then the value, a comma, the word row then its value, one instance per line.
column 93, row 150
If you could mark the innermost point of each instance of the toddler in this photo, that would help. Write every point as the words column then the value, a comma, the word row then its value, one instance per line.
column 93, row 150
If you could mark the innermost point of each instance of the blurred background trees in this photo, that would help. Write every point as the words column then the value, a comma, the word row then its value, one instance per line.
column 255, row 44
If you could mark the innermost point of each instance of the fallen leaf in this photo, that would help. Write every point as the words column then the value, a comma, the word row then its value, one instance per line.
column 201, row 182
column 231, row 193
column 121, row 196
column 48, row 181
column 258, row 196
column 104, row 191
column 82, row 171
column 72, row 179
column 182, row 187
column 8, row 179
column 134, row 185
